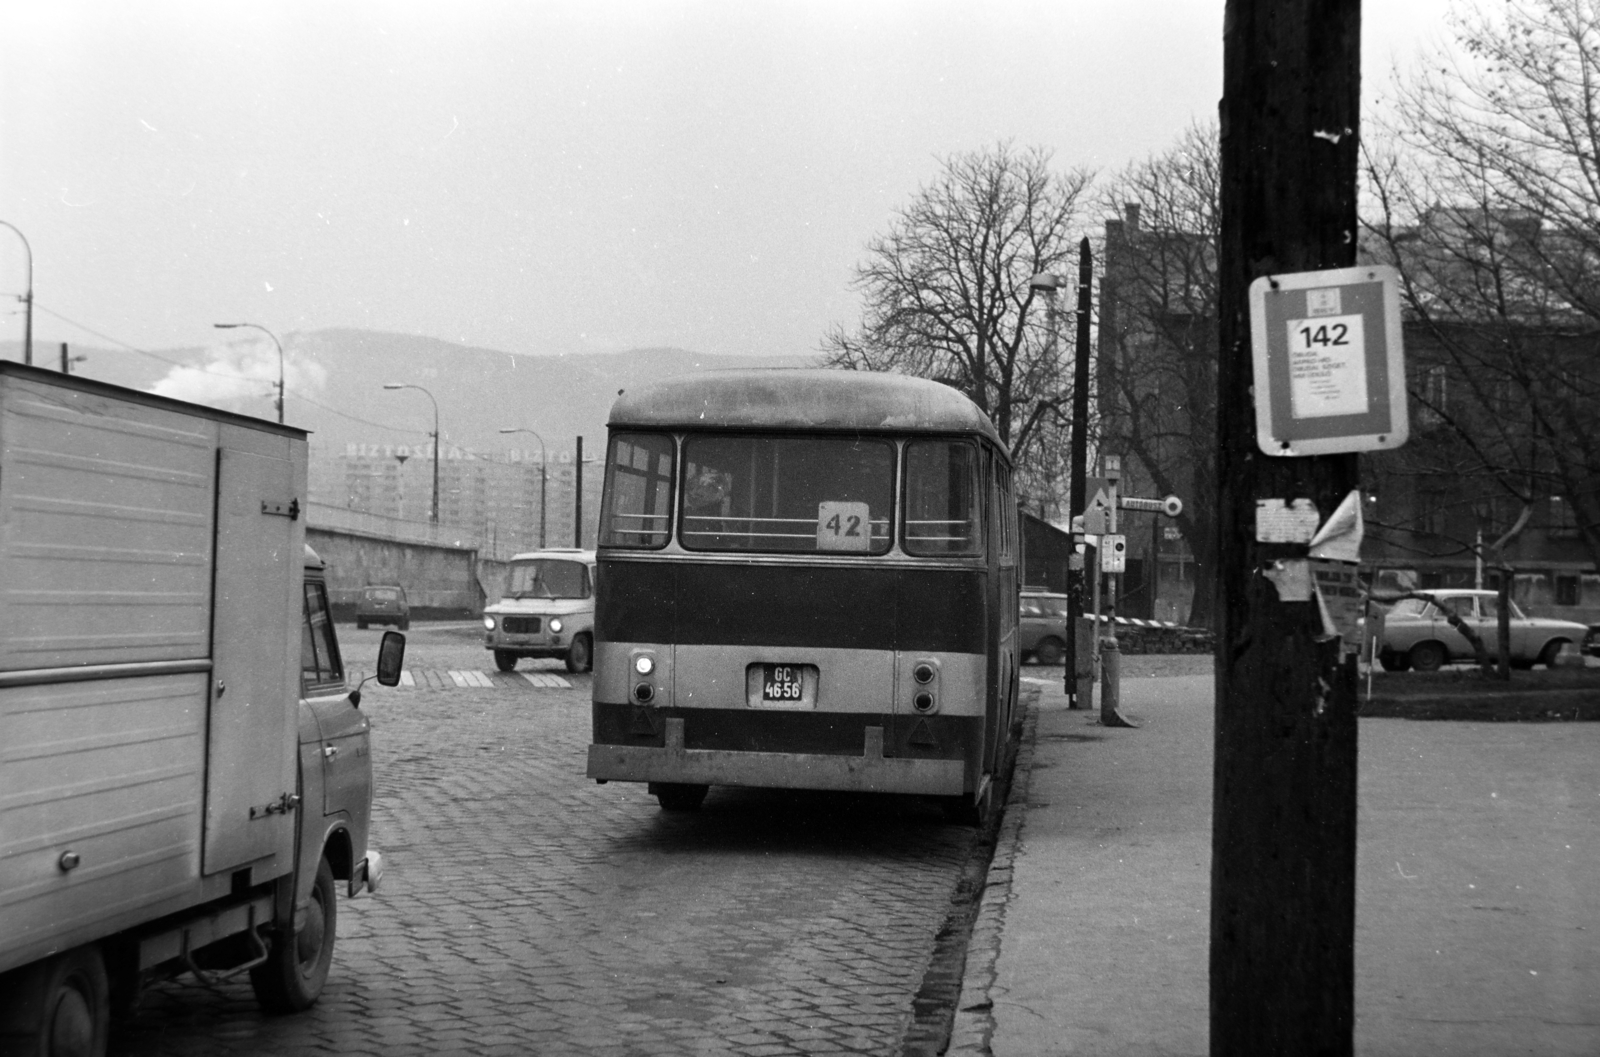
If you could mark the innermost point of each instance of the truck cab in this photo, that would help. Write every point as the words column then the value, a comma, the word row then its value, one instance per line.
column 187, row 774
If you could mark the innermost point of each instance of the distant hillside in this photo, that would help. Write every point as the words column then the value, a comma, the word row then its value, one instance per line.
column 336, row 377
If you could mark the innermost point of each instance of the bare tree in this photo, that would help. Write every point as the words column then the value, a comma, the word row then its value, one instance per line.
column 1487, row 197
column 946, row 295
column 1158, row 336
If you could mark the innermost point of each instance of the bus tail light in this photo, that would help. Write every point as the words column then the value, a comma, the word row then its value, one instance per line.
column 644, row 693
column 923, row 702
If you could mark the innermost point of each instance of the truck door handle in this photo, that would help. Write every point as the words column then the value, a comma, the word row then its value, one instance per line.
column 330, row 751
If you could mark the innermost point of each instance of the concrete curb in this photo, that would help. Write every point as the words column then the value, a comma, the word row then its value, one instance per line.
column 974, row 1017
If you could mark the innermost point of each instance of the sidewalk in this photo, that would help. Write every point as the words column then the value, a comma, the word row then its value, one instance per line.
column 1477, row 905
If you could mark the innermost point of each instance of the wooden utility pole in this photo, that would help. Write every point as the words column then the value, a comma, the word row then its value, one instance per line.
column 1284, row 817
column 577, row 496
column 1077, row 491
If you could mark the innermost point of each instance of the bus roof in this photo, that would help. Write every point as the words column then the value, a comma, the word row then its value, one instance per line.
column 801, row 399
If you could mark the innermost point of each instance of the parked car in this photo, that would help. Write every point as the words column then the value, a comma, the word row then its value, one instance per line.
column 1418, row 634
column 1042, row 630
column 383, row 604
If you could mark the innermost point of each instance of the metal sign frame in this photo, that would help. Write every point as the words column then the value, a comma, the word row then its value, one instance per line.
column 1329, row 361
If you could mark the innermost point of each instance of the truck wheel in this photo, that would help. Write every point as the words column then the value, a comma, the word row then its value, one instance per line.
column 291, row 978
column 70, row 997
column 677, row 796
column 505, row 660
column 578, row 655
column 1050, row 651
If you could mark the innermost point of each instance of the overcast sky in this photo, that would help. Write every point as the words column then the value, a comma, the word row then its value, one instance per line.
column 545, row 177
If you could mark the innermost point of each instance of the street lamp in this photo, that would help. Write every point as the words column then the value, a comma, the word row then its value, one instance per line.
column 1047, row 284
column 276, row 343
column 27, row 298
column 543, row 463
column 434, row 516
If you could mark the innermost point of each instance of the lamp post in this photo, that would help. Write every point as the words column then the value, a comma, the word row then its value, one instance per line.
column 278, row 345
column 543, row 471
column 27, row 298
column 434, row 516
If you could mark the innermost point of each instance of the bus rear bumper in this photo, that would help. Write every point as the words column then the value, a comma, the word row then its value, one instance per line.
column 871, row 772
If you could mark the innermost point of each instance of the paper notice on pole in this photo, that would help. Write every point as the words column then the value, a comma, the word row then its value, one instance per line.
column 1342, row 599
column 1339, row 538
column 1292, row 578
column 1327, row 367
column 1278, row 522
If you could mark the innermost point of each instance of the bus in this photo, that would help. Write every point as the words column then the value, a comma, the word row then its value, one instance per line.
column 807, row 579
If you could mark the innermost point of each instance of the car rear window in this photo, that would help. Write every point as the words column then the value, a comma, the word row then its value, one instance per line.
column 382, row 594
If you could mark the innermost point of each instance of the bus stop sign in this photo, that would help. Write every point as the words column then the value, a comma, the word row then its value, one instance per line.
column 1329, row 366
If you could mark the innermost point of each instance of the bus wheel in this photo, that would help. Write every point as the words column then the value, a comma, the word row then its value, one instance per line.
column 66, row 1003
column 676, row 796
column 297, row 964
column 578, row 655
column 505, row 660
column 1050, row 651
column 963, row 810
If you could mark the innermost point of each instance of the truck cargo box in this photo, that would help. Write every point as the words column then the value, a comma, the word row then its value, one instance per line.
column 150, row 570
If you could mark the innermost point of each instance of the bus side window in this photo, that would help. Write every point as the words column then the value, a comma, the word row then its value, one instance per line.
column 943, row 493
column 637, row 500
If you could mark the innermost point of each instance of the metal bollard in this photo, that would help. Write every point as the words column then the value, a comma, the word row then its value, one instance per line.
column 1111, row 684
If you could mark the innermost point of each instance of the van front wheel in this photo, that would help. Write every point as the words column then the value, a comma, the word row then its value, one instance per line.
column 579, row 653
column 296, row 968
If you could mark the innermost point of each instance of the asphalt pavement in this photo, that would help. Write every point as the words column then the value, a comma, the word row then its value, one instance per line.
column 1478, row 906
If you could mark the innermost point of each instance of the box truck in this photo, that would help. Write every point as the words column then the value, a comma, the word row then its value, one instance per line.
column 185, row 775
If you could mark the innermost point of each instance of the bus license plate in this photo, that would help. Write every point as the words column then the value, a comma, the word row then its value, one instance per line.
column 782, row 684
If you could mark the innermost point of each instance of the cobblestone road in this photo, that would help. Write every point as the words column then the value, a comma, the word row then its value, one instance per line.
column 528, row 911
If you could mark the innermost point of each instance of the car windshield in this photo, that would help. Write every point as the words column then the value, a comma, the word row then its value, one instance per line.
column 547, row 578
column 1037, row 606
column 382, row 594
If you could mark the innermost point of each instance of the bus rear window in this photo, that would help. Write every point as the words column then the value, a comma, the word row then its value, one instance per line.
column 636, row 505
column 941, row 498
column 795, row 494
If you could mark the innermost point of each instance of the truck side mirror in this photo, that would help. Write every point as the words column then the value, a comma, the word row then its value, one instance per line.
column 391, row 657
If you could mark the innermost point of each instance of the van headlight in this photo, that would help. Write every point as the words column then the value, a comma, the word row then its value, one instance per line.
column 555, row 625
column 488, row 623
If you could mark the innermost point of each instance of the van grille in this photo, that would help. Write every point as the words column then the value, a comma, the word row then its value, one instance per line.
column 522, row 625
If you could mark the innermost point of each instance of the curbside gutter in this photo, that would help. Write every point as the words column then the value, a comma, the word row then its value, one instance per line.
column 952, row 1011
column 974, row 1016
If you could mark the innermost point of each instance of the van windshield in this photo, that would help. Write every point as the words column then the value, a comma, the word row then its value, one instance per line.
column 547, row 578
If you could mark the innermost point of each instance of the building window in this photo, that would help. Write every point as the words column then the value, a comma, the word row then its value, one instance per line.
column 1567, row 590
column 1563, row 519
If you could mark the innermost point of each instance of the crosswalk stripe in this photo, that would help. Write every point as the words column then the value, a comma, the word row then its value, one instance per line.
column 467, row 679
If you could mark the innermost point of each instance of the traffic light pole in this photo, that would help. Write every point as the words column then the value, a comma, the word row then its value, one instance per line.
column 1284, row 785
